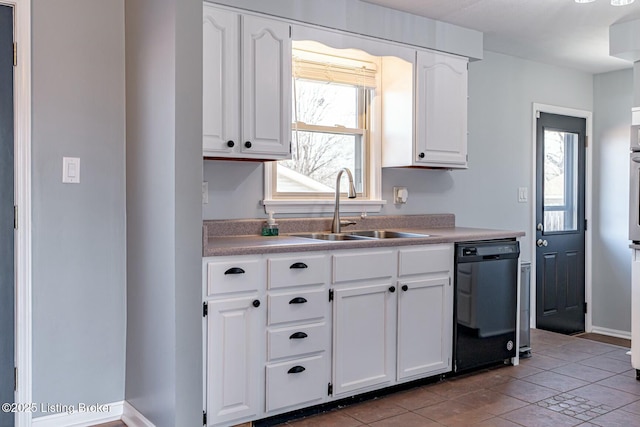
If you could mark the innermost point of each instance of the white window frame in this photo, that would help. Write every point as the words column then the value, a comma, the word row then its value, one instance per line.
column 372, row 202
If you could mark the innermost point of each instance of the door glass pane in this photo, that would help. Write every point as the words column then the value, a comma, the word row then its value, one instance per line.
column 560, row 181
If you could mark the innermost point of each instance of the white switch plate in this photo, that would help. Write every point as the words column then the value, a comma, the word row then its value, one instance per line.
column 71, row 170
column 205, row 193
column 523, row 195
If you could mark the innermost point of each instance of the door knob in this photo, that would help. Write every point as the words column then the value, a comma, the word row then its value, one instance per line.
column 541, row 243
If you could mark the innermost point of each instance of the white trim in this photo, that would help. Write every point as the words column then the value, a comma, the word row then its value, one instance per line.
column 95, row 414
column 133, row 418
column 611, row 332
column 22, row 154
column 359, row 206
column 552, row 109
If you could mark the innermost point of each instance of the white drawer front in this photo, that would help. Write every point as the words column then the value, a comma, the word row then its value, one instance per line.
column 296, row 382
column 234, row 276
column 298, row 340
column 297, row 271
column 297, row 305
column 363, row 265
column 423, row 260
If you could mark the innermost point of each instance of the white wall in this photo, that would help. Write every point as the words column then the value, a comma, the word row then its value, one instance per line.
column 613, row 96
column 78, row 229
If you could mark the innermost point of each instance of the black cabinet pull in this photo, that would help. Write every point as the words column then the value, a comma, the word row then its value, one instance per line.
column 392, row 289
column 296, row 370
column 299, row 265
column 256, row 303
column 405, row 288
column 298, row 300
column 298, row 336
column 230, row 144
column 421, row 155
column 247, row 144
column 234, row 270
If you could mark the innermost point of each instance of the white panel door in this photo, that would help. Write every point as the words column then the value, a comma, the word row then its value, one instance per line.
column 441, row 110
column 220, row 81
column 425, row 327
column 363, row 337
column 266, row 68
column 235, row 348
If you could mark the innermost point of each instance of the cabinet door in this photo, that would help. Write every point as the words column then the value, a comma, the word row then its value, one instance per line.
column 635, row 311
column 441, row 110
column 363, row 337
column 235, row 349
column 220, row 81
column 425, row 327
column 266, row 70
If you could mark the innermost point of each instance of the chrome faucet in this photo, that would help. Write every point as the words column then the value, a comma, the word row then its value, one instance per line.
column 336, row 224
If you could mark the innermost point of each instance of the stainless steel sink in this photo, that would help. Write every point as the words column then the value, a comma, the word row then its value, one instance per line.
column 361, row 235
column 332, row 236
column 386, row 234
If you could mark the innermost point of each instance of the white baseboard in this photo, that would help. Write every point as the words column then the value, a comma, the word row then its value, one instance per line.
column 80, row 415
column 611, row 332
column 133, row 418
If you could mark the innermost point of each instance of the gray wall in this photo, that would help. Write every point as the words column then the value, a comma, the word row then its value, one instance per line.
column 501, row 92
column 78, row 229
column 611, row 255
column 164, row 220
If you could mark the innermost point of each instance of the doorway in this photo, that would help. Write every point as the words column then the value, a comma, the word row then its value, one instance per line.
column 560, row 215
column 7, row 202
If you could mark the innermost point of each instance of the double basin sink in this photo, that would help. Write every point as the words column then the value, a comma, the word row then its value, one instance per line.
column 361, row 235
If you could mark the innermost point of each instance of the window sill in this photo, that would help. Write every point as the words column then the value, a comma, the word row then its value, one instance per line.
column 322, row 206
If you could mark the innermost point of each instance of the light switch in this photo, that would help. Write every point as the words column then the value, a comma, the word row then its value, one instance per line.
column 71, row 170
column 523, row 195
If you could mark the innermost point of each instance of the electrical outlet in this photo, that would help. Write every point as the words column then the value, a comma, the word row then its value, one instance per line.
column 400, row 195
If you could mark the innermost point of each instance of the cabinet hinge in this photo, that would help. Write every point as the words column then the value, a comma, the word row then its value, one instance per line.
column 15, row 217
column 15, row 54
column 204, row 418
column 585, row 307
column 330, row 294
column 449, row 280
column 329, row 389
column 290, row 35
column 205, row 309
column 289, row 147
column 15, row 379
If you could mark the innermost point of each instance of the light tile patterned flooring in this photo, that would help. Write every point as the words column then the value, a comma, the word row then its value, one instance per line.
column 568, row 381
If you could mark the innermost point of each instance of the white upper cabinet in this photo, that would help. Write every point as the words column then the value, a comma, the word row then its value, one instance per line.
column 424, row 111
column 246, row 86
column 441, row 110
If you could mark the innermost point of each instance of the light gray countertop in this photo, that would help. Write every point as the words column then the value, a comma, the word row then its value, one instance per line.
column 254, row 244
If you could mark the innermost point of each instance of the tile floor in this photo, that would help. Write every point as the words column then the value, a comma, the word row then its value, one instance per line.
column 568, row 381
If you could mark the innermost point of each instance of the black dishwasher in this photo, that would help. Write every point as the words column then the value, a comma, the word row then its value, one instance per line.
column 485, row 307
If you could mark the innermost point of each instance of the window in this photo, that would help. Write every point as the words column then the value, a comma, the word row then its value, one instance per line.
column 333, row 127
column 560, row 181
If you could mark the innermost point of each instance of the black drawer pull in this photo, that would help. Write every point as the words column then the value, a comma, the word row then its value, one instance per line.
column 392, row 289
column 298, row 336
column 234, row 270
column 405, row 288
column 299, row 265
column 298, row 300
column 296, row 370
column 256, row 303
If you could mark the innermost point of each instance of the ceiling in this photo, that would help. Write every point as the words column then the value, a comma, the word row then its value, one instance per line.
column 560, row 32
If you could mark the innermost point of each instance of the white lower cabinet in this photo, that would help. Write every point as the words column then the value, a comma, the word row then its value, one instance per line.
column 363, row 338
column 425, row 327
column 288, row 331
column 235, row 353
